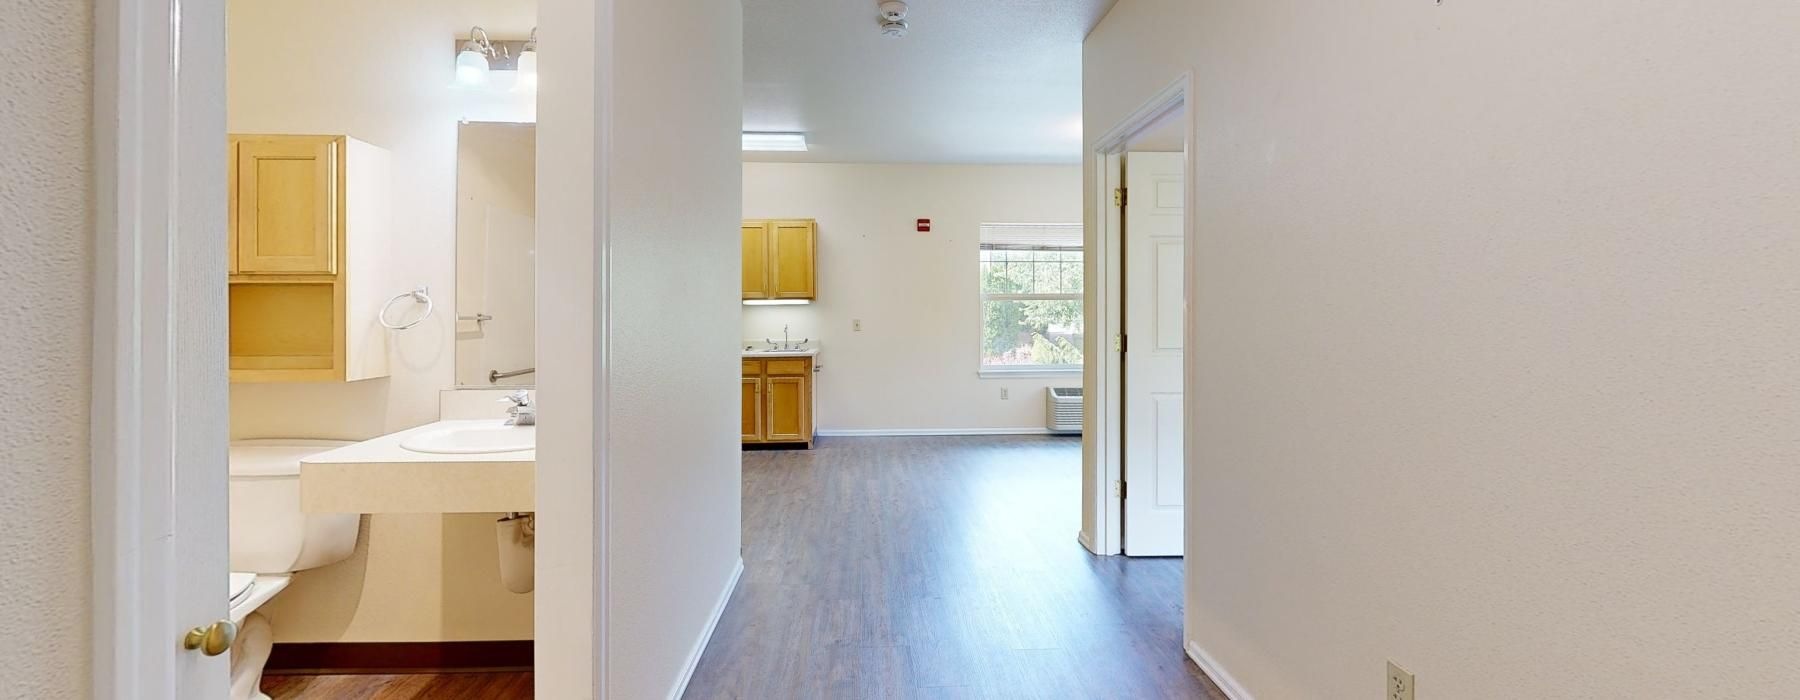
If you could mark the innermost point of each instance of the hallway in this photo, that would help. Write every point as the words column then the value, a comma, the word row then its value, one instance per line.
column 938, row 567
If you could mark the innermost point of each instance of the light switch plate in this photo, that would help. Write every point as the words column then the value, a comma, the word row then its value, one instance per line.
column 1400, row 683
column 856, row 325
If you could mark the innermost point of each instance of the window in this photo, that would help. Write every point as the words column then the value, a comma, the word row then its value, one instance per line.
column 1031, row 312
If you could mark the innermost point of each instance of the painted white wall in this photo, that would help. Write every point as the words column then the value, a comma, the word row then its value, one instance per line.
column 672, row 452
column 639, row 197
column 914, row 365
column 1495, row 318
column 569, row 654
column 46, row 276
column 382, row 72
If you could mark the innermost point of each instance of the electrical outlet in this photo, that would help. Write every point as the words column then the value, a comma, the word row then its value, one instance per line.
column 856, row 325
column 1005, row 394
column 1400, row 683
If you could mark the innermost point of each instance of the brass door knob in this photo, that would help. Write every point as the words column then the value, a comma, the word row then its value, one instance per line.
column 211, row 640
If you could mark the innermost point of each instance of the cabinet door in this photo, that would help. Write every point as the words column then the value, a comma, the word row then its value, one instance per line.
column 791, row 254
column 231, row 205
column 756, row 260
column 752, row 411
column 788, row 409
column 287, row 205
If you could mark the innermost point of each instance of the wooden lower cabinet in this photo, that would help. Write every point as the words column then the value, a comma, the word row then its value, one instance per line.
column 752, row 409
column 777, row 401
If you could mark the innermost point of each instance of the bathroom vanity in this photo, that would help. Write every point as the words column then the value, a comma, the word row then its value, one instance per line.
column 451, row 466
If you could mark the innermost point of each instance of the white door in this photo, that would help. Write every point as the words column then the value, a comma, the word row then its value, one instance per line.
column 160, row 418
column 1153, row 332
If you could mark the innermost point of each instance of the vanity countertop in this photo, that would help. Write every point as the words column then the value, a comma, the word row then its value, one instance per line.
column 809, row 352
column 380, row 476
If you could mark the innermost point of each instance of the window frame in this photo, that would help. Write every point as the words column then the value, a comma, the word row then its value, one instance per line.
column 989, row 371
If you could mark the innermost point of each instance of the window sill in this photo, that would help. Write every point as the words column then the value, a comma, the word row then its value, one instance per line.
column 990, row 373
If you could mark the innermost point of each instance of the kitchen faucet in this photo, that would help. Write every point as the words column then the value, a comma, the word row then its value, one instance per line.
column 786, row 343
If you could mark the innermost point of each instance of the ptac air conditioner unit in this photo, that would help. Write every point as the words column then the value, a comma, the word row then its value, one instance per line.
column 1063, row 409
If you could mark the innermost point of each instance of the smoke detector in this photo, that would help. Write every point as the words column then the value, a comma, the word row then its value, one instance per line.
column 893, row 29
column 893, row 19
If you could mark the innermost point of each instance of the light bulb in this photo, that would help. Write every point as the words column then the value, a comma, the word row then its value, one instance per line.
column 528, row 75
column 471, row 67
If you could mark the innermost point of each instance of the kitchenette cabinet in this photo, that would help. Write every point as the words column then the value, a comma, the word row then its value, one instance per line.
column 779, row 259
column 777, row 400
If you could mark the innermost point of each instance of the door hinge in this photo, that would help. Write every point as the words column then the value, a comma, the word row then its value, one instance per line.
column 1119, row 196
column 1118, row 342
column 1119, row 488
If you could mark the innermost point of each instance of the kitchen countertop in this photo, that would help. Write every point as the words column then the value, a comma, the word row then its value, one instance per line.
column 380, row 476
column 809, row 352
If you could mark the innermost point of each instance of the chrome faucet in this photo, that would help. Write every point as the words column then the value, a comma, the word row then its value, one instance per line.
column 786, row 343
column 521, row 412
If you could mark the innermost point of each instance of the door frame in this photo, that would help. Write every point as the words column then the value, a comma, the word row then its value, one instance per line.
column 160, row 397
column 1105, row 394
column 159, row 412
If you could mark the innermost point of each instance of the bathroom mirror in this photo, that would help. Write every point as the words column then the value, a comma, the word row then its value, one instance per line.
column 496, row 245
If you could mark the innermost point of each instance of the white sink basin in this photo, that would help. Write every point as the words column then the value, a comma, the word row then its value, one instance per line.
column 473, row 439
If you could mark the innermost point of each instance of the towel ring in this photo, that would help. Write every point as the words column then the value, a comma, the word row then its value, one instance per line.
column 421, row 295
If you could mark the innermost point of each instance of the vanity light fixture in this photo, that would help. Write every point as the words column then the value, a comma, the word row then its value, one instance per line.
column 776, row 302
column 774, row 141
column 528, row 75
column 472, row 61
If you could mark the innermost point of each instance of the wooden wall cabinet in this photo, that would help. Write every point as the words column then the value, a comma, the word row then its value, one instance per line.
column 778, row 400
column 780, row 258
column 309, row 225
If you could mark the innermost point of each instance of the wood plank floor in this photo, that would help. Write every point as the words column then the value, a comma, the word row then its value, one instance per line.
column 938, row 567
column 418, row 686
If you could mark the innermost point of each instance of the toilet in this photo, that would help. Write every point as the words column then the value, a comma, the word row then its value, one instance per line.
column 271, row 539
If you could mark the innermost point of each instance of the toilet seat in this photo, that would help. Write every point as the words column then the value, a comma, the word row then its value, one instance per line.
column 240, row 585
column 261, row 589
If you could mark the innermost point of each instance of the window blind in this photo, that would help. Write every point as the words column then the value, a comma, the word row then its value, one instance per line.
column 1031, row 236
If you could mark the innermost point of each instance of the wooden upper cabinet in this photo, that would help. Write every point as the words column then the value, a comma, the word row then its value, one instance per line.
column 309, row 230
column 756, row 260
column 286, row 204
column 792, row 250
column 780, row 259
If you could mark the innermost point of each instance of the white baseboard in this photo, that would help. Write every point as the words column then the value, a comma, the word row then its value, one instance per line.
column 1088, row 542
column 712, row 623
column 1210, row 666
column 903, row 432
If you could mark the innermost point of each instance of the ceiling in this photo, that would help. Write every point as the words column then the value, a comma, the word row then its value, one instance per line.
column 975, row 81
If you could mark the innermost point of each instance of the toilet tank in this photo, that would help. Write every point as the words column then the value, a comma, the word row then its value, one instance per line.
column 269, row 534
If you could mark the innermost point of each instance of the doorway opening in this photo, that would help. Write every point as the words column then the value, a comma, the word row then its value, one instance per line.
column 1142, row 262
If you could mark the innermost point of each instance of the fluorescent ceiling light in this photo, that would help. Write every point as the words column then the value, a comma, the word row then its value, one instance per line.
column 776, row 302
column 770, row 141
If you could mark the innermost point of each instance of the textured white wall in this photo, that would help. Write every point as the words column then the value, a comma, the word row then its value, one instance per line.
column 46, row 278
column 1497, row 315
column 914, row 365
column 671, row 407
column 388, row 81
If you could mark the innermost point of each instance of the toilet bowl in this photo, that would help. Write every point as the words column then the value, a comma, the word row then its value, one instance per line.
column 270, row 539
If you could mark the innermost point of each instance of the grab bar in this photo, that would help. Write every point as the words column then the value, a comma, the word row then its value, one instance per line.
column 495, row 376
